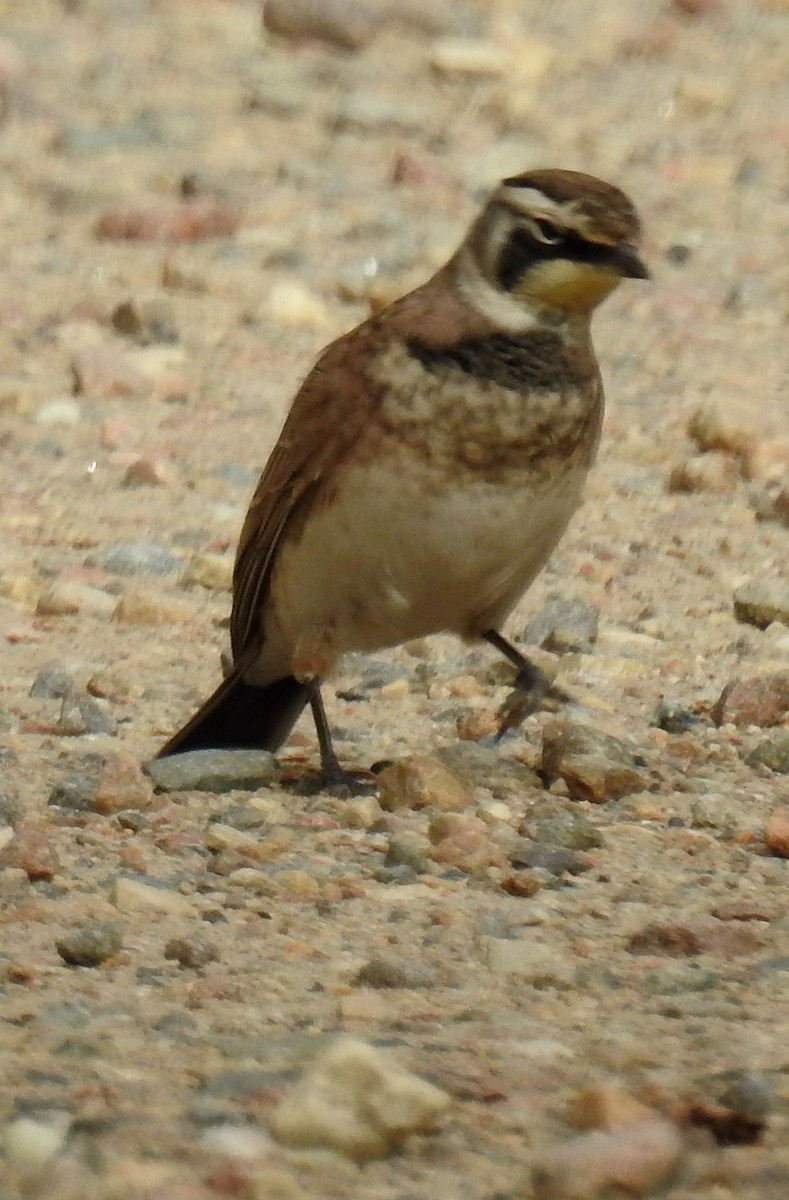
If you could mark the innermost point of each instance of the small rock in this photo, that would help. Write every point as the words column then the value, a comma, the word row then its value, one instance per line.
column 77, row 790
column 697, row 935
column 52, row 682
column 357, row 1101
column 673, row 717
column 143, row 896
column 762, row 602
column 712, row 429
column 395, row 973
column 468, row 56
column 150, row 472
column 213, row 771
column 422, row 782
column 348, row 24
column 122, row 785
column 554, row 859
column 773, row 753
column 563, row 626
column 101, row 373
column 607, row 1106
column 192, row 952
column 90, row 946
column 534, row 961
column 138, row 558
column 213, row 571
column 140, row 607
column 776, row 832
column 713, row 472
column 186, row 219
column 292, row 304
column 758, row 700
column 29, row 1142
column 634, row 1160
column 147, row 322
column 66, row 597
column 464, row 843
column 81, row 714
column 63, row 411
column 551, row 825
column 408, row 849
column 594, row 765
column 31, row 850
column 375, row 114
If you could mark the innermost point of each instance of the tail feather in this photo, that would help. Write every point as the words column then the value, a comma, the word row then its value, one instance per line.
column 242, row 716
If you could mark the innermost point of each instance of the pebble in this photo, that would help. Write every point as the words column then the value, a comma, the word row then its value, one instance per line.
column 76, row 791
column 607, row 1106
column 213, row 771
column 421, row 781
column 145, row 607
column 557, row 860
column 468, row 56
column 482, row 766
column 374, row 114
column 91, row 945
column 535, row 962
column 563, row 626
column 594, row 765
column 713, row 472
column 773, row 752
column 358, row 1101
column 757, row 700
column 214, row 571
column 82, row 714
column 52, row 682
column 150, row 472
column 30, row 1142
column 122, row 785
column 696, row 935
column 762, row 601
column 290, row 303
column 776, row 832
column 32, row 851
column 192, row 952
column 712, row 429
column 552, row 825
column 102, row 373
column 130, row 895
column 67, row 597
column 634, row 1160
column 147, row 322
column 674, row 717
column 408, row 849
column 188, row 219
column 347, row 24
column 464, row 843
column 62, row 411
column 137, row 558
column 395, row 973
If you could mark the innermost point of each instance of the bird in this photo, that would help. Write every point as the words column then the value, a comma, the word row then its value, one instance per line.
column 428, row 465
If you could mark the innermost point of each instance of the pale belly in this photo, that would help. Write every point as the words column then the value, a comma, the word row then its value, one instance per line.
column 388, row 561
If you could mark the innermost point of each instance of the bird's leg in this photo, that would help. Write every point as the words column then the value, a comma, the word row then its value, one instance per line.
column 531, row 689
column 332, row 776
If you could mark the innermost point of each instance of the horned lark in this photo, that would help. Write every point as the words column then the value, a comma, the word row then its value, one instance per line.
column 429, row 463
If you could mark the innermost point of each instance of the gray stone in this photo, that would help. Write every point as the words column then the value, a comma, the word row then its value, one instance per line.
column 77, row 790
column 564, row 625
column 213, row 771
column 192, row 952
column 556, row 860
column 773, row 752
column 554, row 826
column 395, row 973
column 82, row 714
column 90, row 946
column 409, row 850
column 137, row 558
column 52, row 683
column 673, row 717
column 762, row 601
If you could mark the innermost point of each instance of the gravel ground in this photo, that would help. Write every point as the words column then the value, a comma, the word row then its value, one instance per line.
column 589, row 916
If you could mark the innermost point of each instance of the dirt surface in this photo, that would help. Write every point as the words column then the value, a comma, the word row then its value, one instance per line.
column 528, row 943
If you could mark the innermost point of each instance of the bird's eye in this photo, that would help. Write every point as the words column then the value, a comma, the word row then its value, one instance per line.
column 548, row 232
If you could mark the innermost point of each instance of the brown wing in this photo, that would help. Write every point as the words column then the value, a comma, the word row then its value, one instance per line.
column 327, row 415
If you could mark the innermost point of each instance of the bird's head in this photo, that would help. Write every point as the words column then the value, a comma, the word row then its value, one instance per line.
column 553, row 242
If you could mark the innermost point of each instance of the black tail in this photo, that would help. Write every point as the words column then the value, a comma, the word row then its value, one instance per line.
column 241, row 716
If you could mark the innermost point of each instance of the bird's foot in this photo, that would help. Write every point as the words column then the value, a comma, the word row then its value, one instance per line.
column 532, row 691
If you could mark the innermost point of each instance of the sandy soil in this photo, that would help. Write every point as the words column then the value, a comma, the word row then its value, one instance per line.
column 657, row 956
